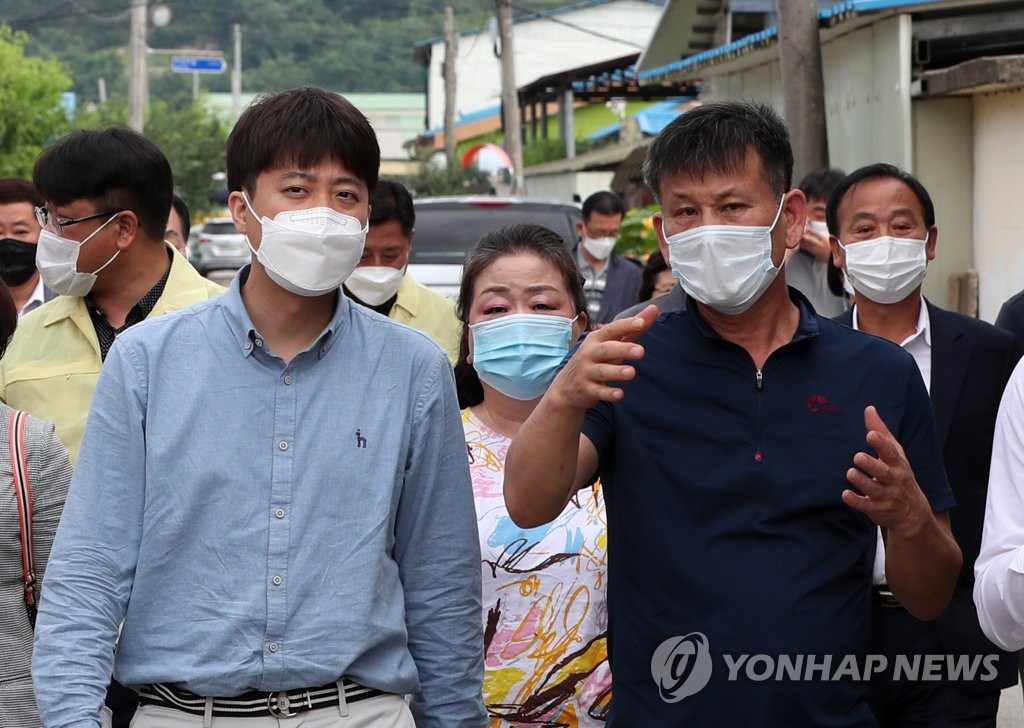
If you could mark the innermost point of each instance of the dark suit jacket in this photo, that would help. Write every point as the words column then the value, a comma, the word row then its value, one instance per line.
column 1011, row 316
column 971, row 362
column 621, row 288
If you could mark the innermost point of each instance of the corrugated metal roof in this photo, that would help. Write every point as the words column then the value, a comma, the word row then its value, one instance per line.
column 830, row 15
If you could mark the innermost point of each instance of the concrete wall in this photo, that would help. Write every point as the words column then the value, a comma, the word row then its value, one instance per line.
column 998, row 197
column 542, row 47
column 944, row 162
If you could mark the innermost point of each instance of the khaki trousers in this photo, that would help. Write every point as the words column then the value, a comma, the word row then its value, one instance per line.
column 385, row 711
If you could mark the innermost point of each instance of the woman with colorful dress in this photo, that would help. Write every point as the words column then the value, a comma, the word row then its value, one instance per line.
column 544, row 607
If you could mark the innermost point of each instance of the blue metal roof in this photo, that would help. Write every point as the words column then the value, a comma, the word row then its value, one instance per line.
column 836, row 12
column 651, row 120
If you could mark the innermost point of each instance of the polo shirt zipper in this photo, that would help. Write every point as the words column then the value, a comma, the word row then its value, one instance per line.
column 758, row 455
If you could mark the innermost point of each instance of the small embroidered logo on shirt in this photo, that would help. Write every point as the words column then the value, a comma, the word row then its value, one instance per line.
column 360, row 440
column 819, row 403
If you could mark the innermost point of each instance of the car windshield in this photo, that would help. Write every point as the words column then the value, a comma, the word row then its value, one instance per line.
column 444, row 232
column 220, row 227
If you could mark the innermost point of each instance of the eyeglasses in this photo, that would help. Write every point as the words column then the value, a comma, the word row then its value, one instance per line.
column 44, row 217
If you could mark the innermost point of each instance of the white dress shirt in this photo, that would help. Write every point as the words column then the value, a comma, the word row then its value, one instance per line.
column 35, row 300
column 918, row 345
column 999, row 570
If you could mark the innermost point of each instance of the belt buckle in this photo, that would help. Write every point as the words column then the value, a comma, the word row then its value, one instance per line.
column 279, row 705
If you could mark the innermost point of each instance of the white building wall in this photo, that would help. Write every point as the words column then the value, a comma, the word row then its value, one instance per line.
column 998, row 186
column 542, row 47
column 562, row 186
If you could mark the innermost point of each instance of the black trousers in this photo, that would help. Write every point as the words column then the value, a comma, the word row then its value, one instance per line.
column 921, row 703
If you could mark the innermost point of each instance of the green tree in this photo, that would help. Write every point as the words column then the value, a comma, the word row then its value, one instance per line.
column 30, row 90
column 192, row 139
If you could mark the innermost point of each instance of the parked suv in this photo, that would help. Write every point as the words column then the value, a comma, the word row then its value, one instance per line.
column 217, row 245
column 447, row 227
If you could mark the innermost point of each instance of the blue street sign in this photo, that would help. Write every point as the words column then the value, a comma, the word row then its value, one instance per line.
column 198, row 64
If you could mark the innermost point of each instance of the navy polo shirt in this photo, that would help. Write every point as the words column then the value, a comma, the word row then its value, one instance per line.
column 723, row 488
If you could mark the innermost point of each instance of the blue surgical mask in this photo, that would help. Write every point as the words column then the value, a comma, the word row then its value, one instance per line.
column 519, row 354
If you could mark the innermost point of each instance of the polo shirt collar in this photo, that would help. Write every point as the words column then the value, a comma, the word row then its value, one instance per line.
column 806, row 328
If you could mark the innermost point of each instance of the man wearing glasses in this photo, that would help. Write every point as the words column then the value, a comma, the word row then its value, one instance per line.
column 108, row 195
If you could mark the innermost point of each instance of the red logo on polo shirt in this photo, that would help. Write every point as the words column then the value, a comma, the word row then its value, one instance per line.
column 819, row 403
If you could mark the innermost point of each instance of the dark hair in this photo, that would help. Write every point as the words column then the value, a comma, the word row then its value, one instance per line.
column 820, row 183
column 603, row 203
column 715, row 138
column 304, row 126
column 17, row 189
column 181, row 208
column 116, row 168
column 877, row 171
column 655, row 264
column 8, row 317
column 391, row 201
column 834, row 278
column 508, row 240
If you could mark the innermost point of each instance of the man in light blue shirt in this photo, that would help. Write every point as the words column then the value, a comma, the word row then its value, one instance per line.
column 273, row 492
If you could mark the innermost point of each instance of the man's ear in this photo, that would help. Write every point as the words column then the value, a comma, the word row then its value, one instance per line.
column 658, row 220
column 933, row 239
column 127, row 229
column 239, row 212
column 838, row 254
column 794, row 213
column 580, row 229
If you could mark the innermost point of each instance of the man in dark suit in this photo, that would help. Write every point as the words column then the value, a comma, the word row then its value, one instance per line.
column 610, row 282
column 883, row 233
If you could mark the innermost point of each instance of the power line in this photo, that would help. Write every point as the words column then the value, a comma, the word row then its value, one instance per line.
column 549, row 15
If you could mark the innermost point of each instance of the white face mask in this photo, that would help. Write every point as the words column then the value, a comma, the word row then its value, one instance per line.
column 57, row 261
column 375, row 284
column 600, row 248
column 886, row 269
column 725, row 267
column 309, row 252
column 818, row 226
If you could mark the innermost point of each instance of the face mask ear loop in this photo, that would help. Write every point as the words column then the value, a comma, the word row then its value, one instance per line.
column 778, row 214
column 248, row 206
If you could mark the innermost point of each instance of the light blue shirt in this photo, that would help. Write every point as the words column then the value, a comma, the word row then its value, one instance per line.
column 262, row 526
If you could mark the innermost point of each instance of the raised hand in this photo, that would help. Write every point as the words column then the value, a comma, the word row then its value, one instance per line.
column 890, row 495
column 583, row 382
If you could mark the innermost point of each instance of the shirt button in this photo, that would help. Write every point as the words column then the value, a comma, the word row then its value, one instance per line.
column 247, row 345
column 272, row 647
column 277, row 581
column 259, row 343
column 279, row 513
column 282, row 445
column 287, row 378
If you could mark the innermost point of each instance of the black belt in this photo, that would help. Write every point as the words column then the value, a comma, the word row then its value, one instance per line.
column 254, row 704
column 882, row 597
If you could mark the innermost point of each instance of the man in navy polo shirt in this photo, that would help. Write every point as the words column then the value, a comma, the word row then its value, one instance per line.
column 747, row 454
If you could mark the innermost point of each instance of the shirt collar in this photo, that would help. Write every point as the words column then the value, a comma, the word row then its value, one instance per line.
column 923, row 327
column 38, row 297
column 408, row 297
column 248, row 338
column 806, row 328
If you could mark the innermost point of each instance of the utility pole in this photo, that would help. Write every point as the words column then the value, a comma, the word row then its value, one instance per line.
column 803, row 87
column 236, row 74
column 510, row 97
column 451, row 50
column 138, row 90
